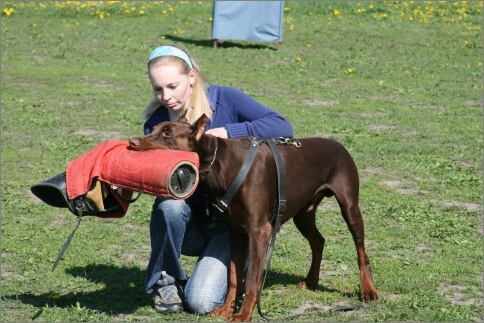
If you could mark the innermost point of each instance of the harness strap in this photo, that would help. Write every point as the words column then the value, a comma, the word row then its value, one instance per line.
column 83, row 207
column 119, row 192
column 277, row 216
column 68, row 242
column 234, row 187
column 281, row 183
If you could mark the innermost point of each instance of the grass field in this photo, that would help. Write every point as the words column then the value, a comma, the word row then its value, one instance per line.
column 400, row 84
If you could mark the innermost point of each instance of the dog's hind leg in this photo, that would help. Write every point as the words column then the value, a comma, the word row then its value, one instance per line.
column 305, row 221
column 348, row 202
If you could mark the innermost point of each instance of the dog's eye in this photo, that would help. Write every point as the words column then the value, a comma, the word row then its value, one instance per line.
column 166, row 131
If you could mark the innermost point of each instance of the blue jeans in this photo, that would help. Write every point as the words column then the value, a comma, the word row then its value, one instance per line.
column 175, row 229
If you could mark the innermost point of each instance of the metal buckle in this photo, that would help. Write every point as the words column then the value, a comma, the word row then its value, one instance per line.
column 289, row 141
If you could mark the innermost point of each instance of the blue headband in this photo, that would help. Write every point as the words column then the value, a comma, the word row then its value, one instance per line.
column 170, row 51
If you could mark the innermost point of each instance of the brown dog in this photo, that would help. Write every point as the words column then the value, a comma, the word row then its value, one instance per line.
column 319, row 168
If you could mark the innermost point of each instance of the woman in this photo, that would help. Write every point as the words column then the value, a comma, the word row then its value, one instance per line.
column 187, row 226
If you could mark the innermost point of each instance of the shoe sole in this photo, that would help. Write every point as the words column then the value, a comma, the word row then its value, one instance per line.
column 171, row 309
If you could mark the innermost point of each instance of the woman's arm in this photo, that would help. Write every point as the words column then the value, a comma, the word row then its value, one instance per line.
column 243, row 116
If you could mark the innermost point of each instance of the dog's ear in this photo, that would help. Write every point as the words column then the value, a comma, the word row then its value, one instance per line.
column 199, row 127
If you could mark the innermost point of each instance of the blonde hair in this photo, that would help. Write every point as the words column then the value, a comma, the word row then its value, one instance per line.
column 198, row 98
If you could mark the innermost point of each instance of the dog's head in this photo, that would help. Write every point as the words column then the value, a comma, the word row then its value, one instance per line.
column 177, row 135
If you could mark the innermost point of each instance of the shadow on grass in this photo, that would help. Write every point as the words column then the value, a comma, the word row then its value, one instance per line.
column 221, row 44
column 275, row 278
column 123, row 292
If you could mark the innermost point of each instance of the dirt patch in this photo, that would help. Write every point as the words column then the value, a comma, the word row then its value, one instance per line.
column 34, row 198
column 320, row 103
column 138, row 255
column 306, row 307
column 472, row 103
column 465, row 205
column 99, row 134
column 373, row 115
column 407, row 191
column 372, row 171
column 6, row 273
column 393, row 297
column 310, row 307
column 380, row 127
column 394, row 184
column 456, row 294
column 366, row 173
column 62, row 220
column 425, row 251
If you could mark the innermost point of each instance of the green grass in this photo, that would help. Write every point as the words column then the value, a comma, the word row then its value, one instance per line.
column 398, row 83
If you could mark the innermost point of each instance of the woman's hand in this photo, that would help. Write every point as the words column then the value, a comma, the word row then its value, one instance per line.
column 218, row 132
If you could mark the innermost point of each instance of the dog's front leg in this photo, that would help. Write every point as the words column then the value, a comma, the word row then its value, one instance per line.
column 238, row 249
column 259, row 238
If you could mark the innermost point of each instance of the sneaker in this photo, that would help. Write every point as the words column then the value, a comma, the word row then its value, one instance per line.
column 166, row 298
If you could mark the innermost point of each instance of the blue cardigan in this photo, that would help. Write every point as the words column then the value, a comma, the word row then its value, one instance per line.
column 238, row 112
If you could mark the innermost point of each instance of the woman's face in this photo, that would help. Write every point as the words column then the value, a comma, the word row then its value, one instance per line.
column 170, row 87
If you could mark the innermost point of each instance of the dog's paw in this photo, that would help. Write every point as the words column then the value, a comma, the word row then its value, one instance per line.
column 369, row 295
column 240, row 318
column 305, row 284
column 222, row 312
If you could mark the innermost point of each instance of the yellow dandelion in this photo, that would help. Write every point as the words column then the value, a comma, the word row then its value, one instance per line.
column 336, row 12
column 298, row 59
column 350, row 70
column 8, row 11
